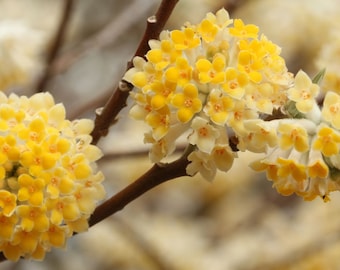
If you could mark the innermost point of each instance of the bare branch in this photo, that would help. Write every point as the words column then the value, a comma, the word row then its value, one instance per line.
column 56, row 44
column 157, row 175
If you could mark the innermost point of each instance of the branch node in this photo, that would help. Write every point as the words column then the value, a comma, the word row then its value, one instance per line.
column 152, row 19
column 99, row 111
column 124, row 86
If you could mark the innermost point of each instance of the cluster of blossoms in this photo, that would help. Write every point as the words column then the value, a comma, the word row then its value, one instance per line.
column 222, row 84
column 302, row 152
column 209, row 79
column 49, row 183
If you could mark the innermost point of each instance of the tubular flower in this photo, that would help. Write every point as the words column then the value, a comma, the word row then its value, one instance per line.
column 48, row 175
column 218, row 72
column 293, row 136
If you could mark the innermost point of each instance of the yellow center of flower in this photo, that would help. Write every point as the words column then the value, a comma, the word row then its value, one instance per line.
column 334, row 108
column 203, row 132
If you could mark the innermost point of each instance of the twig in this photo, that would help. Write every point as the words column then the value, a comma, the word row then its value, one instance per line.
column 56, row 44
column 117, row 101
column 157, row 175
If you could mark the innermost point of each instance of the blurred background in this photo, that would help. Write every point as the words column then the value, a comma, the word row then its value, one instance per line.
column 236, row 222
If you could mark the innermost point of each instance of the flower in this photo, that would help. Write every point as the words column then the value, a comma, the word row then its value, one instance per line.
column 303, row 92
column 242, row 30
column 331, row 109
column 293, row 136
column 204, row 135
column 203, row 163
column 211, row 72
column 162, row 54
column 185, row 39
column 327, row 141
column 235, row 83
column 187, row 103
column 261, row 135
column 219, row 107
column 49, row 180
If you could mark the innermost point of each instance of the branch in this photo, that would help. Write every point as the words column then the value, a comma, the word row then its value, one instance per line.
column 157, row 175
column 56, row 44
column 117, row 101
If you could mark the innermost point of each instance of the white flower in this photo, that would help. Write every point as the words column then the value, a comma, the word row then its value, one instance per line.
column 223, row 157
column 204, row 135
column 202, row 163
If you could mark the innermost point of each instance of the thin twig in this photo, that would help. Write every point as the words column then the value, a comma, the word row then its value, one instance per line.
column 117, row 101
column 157, row 175
column 56, row 44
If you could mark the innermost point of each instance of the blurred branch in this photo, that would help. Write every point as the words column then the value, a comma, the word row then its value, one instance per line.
column 89, row 106
column 232, row 5
column 157, row 175
column 117, row 101
column 142, row 244
column 58, row 39
column 56, row 44
column 297, row 256
column 111, row 32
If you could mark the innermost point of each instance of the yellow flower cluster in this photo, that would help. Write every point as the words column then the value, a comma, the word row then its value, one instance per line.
column 49, row 184
column 207, row 78
column 302, row 154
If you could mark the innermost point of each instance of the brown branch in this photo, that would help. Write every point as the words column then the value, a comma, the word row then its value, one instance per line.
column 157, row 175
column 56, row 44
column 117, row 101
